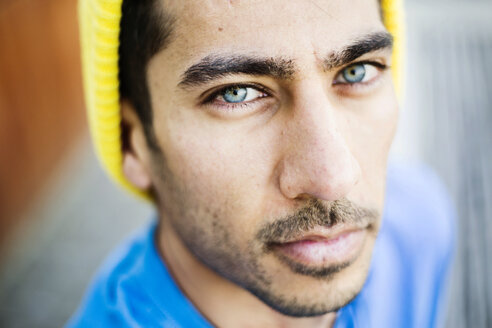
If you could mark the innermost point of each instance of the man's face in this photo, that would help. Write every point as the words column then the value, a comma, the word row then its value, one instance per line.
column 273, row 144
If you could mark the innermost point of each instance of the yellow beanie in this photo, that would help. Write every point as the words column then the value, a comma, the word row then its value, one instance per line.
column 100, row 29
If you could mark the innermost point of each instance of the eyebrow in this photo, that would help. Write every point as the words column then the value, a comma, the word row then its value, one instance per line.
column 361, row 46
column 217, row 66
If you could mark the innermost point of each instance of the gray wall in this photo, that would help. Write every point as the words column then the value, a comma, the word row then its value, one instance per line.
column 449, row 109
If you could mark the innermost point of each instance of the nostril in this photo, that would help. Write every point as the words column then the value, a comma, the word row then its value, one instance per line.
column 287, row 186
column 303, row 197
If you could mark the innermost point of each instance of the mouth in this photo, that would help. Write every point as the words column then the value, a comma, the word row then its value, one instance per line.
column 335, row 247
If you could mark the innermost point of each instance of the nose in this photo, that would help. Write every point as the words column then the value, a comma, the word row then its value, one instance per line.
column 318, row 162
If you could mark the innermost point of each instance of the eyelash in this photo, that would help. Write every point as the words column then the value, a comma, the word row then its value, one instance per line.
column 209, row 100
column 381, row 67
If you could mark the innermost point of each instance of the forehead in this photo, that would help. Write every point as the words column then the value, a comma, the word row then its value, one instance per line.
column 268, row 27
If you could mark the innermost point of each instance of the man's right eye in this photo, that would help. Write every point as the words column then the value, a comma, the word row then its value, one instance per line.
column 238, row 94
column 237, row 100
column 237, row 97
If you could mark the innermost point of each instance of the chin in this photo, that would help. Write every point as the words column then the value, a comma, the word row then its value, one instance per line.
column 295, row 294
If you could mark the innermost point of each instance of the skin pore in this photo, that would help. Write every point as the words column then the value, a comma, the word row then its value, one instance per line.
column 273, row 122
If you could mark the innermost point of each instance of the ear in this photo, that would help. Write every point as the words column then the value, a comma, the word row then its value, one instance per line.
column 136, row 166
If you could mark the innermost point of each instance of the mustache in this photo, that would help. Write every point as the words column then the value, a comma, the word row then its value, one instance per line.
column 317, row 214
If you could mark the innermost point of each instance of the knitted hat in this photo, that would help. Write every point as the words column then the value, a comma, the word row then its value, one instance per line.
column 100, row 30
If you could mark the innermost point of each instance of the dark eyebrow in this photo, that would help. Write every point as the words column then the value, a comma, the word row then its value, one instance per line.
column 361, row 46
column 213, row 67
column 216, row 66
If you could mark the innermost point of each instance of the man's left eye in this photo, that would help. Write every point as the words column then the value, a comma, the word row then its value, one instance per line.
column 239, row 94
column 357, row 73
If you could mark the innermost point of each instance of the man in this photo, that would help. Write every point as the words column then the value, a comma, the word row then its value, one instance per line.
column 261, row 131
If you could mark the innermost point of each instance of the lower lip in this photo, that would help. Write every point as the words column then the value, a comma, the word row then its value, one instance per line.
column 341, row 249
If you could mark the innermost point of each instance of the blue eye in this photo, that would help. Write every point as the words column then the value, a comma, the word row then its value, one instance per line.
column 239, row 94
column 235, row 94
column 359, row 73
column 354, row 73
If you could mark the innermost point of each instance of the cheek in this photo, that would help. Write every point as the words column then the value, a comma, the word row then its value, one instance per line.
column 372, row 133
column 210, row 166
column 215, row 170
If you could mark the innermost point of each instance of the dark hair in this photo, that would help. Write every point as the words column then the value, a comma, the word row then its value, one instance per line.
column 145, row 29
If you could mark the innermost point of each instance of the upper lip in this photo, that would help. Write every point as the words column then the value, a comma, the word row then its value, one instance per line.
column 320, row 233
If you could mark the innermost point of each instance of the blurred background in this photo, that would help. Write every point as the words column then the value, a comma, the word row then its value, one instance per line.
column 60, row 215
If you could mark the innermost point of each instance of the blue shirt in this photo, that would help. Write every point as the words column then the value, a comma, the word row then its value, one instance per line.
column 406, row 285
